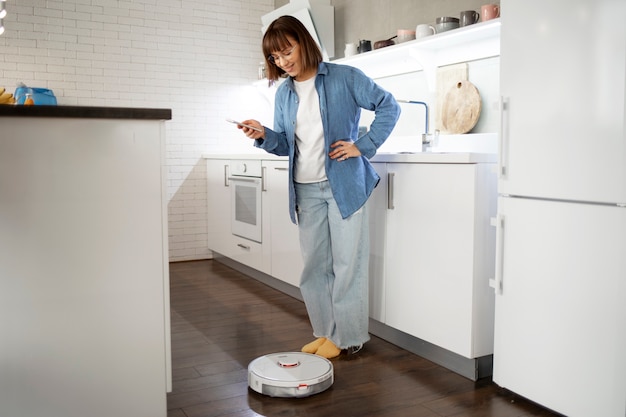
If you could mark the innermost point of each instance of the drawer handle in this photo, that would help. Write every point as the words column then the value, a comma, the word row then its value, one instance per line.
column 242, row 246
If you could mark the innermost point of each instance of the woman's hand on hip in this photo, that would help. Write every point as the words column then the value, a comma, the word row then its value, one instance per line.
column 343, row 150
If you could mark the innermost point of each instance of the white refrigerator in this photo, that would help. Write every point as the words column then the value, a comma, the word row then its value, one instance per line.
column 560, row 318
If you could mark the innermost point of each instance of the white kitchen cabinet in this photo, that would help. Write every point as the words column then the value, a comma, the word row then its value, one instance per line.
column 218, row 197
column 377, row 206
column 438, row 254
column 286, row 258
column 220, row 237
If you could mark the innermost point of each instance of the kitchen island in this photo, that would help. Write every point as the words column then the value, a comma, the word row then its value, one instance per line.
column 84, row 293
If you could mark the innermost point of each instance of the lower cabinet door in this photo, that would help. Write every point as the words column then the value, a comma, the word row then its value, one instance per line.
column 377, row 206
column 429, row 253
column 286, row 258
column 220, row 238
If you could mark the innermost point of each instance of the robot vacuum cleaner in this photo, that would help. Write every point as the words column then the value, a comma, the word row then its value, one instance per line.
column 290, row 374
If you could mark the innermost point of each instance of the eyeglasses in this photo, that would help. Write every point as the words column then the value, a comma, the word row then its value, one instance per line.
column 275, row 57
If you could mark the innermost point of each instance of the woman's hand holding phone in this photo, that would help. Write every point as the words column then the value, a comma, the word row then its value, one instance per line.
column 251, row 128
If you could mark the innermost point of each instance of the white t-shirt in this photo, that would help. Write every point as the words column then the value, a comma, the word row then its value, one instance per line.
column 310, row 150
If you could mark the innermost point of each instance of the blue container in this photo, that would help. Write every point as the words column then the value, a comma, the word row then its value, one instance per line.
column 41, row 96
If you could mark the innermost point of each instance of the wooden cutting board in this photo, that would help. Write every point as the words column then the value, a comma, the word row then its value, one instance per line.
column 447, row 76
column 461, row 108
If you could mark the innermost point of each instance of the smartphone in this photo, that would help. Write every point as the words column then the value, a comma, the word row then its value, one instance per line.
column 244, row 125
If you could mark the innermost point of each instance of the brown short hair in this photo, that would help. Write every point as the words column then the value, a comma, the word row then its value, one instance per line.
column 275, row 39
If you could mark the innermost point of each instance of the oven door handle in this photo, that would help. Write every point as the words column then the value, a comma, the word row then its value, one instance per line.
column 244, row 179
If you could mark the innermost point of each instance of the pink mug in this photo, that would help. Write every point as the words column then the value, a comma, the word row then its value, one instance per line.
column 489, row 11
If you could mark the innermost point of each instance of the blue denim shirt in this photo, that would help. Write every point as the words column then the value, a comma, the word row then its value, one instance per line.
column 342, row 91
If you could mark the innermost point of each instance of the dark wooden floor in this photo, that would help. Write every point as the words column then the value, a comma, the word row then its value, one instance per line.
column 222, row 320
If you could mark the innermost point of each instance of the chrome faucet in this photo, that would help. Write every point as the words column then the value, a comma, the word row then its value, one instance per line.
column 425, row 141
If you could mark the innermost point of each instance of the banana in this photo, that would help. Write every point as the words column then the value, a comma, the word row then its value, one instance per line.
column 6, row 98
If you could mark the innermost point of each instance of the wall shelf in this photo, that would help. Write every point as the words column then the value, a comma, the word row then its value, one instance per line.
column 478, row 41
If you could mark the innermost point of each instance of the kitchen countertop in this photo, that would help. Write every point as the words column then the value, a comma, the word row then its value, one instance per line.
column 415, row 158
column 86, row 112
column 436, row 157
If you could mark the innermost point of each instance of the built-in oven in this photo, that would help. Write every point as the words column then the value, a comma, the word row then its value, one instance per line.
column 245, row 179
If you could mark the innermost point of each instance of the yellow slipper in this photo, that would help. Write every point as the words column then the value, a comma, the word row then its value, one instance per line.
column 314, row 345
column 328, row 350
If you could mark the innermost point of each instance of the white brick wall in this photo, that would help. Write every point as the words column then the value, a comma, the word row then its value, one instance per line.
column 198, row 58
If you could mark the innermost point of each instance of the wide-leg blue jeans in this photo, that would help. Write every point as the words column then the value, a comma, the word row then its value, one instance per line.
column 335, row 278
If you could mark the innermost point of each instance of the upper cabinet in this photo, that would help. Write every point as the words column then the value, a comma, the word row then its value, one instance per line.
column 478, row 41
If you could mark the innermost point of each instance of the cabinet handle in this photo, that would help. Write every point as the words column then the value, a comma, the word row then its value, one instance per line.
column 242, row 246
column 226, row 175
column 503, row 138
column 280, row 169
column 390, row 184
column 263, row 172
column 496, row 283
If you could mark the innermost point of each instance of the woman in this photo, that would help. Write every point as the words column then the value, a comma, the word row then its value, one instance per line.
column 316, row 122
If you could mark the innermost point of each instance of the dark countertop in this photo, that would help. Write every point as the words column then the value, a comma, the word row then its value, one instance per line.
column 85, row 112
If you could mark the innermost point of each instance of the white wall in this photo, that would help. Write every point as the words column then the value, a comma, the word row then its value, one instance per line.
column 196, row 57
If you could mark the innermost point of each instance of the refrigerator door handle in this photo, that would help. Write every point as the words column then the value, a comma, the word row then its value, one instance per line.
column 496, row 283
column 503, row 148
